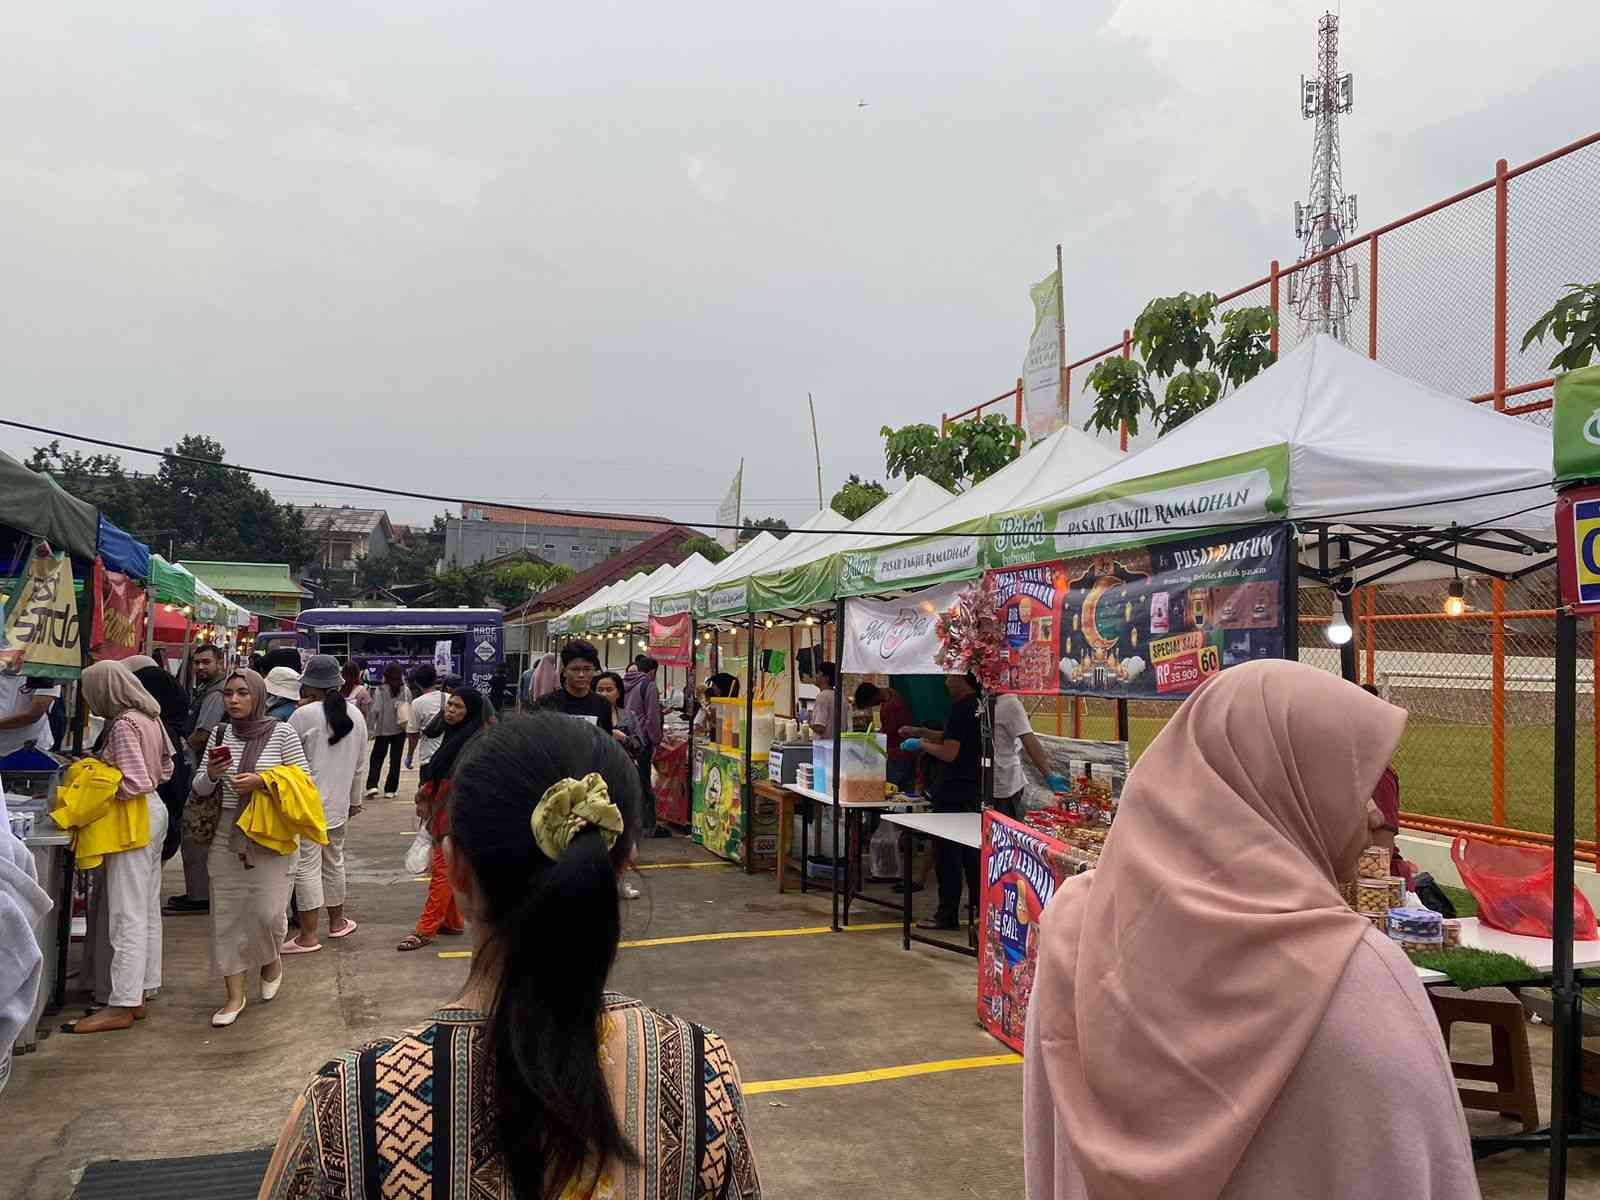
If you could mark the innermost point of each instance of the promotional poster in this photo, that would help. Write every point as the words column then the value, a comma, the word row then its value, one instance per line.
column 1144, row 621
column 1020, row 870
column 670, row 640
column 42, row 636
column 119, row 618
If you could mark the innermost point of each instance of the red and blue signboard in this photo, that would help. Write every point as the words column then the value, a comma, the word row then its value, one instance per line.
column 1578, row 548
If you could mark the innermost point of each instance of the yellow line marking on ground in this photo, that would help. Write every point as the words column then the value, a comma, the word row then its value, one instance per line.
column 736, row 935
column 421, row 878
column 880, row 1074
column 668, row 866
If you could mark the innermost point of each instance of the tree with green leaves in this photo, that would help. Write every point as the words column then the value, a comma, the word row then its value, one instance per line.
column 968, row 453
column 1574, row 323
column 198, row 509
column 517, row 583
column 1177, row 342
column 776, row 526
column 857, row 497
column 457, row 586
column 708, row 548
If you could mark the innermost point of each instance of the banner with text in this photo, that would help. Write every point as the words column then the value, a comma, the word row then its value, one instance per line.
column 42, row 636
column 728, row 512
column 1021, row 870
column 670, row 640
column 1042, row 401
column 119, row 617
column 1146, row 621
column 897, row 637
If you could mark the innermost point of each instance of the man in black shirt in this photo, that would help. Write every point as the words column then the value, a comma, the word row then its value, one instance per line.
column 957, row 745
column 580, row 663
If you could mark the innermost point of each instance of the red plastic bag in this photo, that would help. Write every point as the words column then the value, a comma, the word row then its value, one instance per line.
column 1514, row 888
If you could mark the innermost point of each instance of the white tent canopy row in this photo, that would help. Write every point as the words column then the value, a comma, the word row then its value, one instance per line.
column 1356, row 455
column 1385, row 479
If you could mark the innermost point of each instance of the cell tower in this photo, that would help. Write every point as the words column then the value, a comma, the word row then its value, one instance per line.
column 1324, row 294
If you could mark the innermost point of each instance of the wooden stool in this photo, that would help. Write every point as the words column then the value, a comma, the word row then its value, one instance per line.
column 1512, row 1069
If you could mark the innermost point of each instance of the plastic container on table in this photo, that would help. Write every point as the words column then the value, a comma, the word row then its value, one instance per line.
column 728, row 727
column 864, row 758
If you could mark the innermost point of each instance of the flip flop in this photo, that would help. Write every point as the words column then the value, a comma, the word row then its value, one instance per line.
column 349, row 928
column 293, row 947
column 446, row 931
column 412, row 942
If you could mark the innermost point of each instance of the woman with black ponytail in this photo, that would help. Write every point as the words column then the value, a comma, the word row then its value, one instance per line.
column 335, row 739
column 538, row 1082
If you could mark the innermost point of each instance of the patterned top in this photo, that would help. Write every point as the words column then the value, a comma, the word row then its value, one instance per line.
column 408, row 1117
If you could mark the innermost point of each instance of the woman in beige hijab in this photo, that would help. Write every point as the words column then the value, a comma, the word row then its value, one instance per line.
column 1210, row 1020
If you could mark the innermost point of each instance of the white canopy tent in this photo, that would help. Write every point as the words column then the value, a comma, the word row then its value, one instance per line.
column 624, row 607
column 696, row 566
column 1413, row 483
column 732, row 594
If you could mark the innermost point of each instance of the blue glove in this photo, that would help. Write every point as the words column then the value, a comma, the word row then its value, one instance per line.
column 911, row 745
column 1057, row 783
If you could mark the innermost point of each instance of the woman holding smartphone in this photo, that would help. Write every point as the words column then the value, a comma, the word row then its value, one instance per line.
column 250, row 884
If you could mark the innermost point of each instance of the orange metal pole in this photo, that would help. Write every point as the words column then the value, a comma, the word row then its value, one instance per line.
column 1500, row 198
column 1497, row 706
column 1019, row 401
column 1372, row 299
column 1127, row 352
column 1372, row 654
column 1273, row 276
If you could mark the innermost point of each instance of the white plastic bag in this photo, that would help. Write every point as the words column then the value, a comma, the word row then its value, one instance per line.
column 419, row 856
column 884, row 851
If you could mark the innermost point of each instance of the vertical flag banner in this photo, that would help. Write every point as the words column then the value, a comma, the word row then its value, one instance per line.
column 118, row 626
column 728, row 510
column 1042, row 402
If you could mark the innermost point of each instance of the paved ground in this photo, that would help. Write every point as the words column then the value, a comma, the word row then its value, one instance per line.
column 790, row 1006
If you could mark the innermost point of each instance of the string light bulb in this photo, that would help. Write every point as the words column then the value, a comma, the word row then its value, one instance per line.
column 1455, row 601
column 1339, row 632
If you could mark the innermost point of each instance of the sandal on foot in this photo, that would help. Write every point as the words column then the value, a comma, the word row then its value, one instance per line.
column 349, row 928
column 412, row 941
column 293, row 947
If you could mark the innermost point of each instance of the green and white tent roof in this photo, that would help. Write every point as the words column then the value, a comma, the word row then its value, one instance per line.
column 676, row 595
column 717, row 592
column 809, row 574
column 1066, row 457
column 732, row 594
column 632, row 604
column 1343, row 447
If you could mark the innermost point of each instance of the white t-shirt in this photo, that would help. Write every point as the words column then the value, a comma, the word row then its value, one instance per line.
column 16, row 696
column 335, row 769
column 423, row 710
column 822, row 714
column 1010, row 723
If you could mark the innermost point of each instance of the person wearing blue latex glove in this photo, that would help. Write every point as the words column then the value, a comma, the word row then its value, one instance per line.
column 1057, row 783
column 912, row 745
column 1013, row 734
column 958, row 747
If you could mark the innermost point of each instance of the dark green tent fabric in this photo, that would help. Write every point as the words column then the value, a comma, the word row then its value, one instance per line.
column 36, row 504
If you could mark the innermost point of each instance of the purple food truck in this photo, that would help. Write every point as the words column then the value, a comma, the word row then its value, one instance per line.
column 376, row 637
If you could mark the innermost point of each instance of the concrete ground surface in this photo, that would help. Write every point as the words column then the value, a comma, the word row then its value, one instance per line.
column 791, row 1007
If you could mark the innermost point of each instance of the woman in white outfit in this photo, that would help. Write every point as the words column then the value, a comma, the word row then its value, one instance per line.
column 126, row 924
column 249, row 884
column 335, row 739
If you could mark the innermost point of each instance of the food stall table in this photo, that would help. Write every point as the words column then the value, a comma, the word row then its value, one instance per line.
column 962, row 828
column 848, row 809
column 1536, row 951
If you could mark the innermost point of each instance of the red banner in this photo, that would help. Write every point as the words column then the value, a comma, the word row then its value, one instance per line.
column 671, row 640
column 119, row 616
column 1021, row 870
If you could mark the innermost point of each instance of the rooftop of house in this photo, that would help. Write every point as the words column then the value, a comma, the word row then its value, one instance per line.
column 322, row 518
column 268, row 579
column 664, row 547
column 621, row 522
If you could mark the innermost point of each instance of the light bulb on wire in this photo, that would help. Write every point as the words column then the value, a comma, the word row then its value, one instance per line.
column 1455, row 601
column 1339, row 632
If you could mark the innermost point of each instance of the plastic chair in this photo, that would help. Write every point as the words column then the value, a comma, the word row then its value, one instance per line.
column 1511, row 1070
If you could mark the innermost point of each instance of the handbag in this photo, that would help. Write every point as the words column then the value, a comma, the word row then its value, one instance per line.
column 202, row 814
column 402, row 709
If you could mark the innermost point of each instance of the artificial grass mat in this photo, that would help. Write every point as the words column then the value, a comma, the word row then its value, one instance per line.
column 1470, row 968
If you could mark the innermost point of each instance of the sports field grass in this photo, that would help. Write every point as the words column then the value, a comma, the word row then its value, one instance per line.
column 1444, row 769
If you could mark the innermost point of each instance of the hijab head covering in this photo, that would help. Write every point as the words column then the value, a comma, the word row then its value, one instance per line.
column 111, row 690
column 546, row 677
column 1181, row 980
column 255, row 728
column 456, row 737
column 138, row 662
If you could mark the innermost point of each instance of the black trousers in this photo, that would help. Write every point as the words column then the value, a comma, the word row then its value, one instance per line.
column 647, row 793
column 951, row 861
column 394, row 746
column 1010, row 806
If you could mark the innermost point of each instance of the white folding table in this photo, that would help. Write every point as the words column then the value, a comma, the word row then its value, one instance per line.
column 964, row 829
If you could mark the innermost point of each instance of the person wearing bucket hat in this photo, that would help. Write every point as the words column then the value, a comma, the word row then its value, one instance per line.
column 335, row 740
column 283, row 692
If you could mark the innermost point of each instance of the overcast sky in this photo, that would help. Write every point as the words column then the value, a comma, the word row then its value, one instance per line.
column 595, row 253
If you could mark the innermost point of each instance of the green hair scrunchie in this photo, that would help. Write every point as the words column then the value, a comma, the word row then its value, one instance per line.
column 569, row 807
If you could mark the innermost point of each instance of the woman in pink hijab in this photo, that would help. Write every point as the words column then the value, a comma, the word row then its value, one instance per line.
column 1210, row 1020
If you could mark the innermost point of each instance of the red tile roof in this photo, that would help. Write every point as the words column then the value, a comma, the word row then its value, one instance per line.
column 665, row 547
column 532, row 516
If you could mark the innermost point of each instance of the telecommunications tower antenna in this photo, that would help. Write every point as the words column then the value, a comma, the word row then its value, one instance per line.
column 1324, row 294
